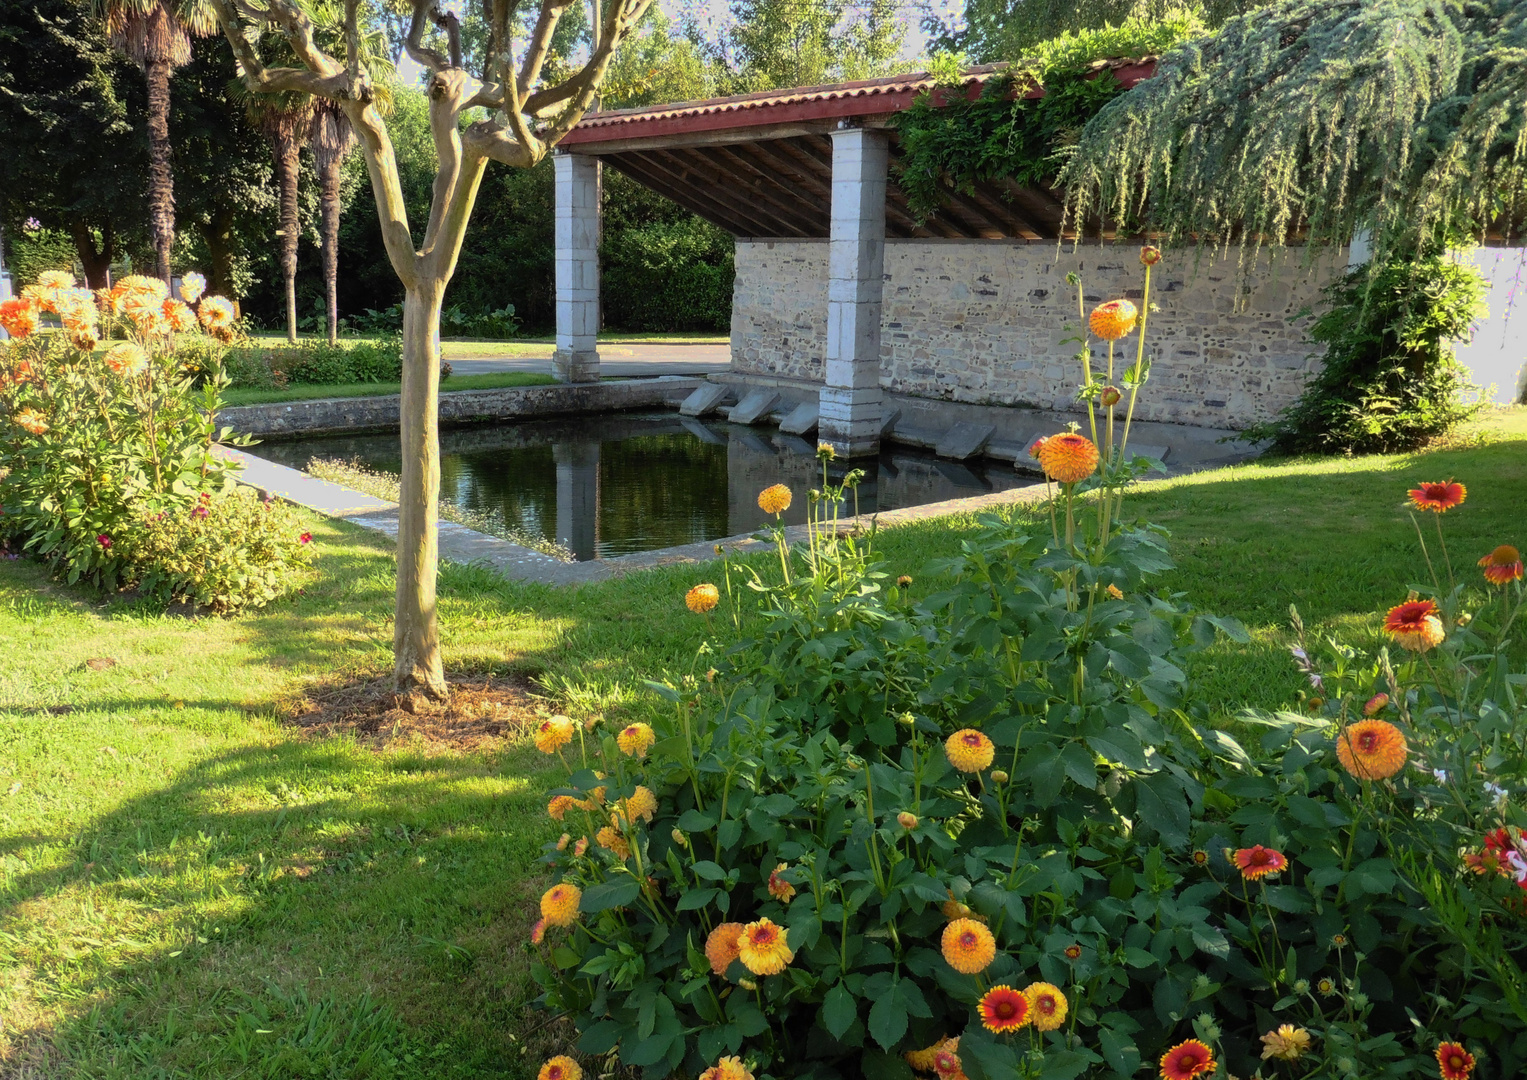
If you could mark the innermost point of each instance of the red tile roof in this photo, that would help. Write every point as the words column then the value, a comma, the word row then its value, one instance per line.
column 867, row 97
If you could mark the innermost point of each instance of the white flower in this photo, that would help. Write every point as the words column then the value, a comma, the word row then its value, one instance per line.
column 1441, row 775
column 1495, row 790
column 192, row 286
column 1518, row 864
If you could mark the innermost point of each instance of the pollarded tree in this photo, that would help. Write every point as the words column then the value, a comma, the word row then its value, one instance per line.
column 525, row 121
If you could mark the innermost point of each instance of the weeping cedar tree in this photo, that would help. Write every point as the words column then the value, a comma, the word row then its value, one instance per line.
column 1320, row 120
column 526, row 120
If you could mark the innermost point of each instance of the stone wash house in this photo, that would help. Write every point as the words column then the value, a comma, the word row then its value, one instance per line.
column 851, row 315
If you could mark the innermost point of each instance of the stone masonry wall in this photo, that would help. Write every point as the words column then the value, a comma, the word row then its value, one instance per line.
column 982, row 321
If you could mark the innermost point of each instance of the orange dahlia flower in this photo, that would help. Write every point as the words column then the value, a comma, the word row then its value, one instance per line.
column 31, row 421
column 1003, row 1009
column 922, row 1060
column 611, row 839
column 1047, row 1004
column 636, row 739
column 763, row 949
column 560, row 805
column 1415, row 625
column 1455, row 1062
column 721, row 946
column 968, row 946
column 126, row 360
column 1502, row 565
column 702, row 598
column 18, row 317
column 779, row 888
column 728, row 1068
column 641, row 806
column 1113, row 319
column 1187, row 1060
column 1439, row 498
column 1068, row 457
column 969, row 751
column 559, row 904
column 1258, row 862
column 560, row 1067
column 1372, row 749
column 553, row 733
column 774, row 499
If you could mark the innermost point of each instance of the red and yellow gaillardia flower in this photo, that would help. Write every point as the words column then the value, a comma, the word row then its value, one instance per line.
column 1068, row 457
column 635, row 740
column 1503, row 565
column 1372, row 749
column 721, row 947
column 1047, row 1005
column 728, row 1068
column 1073, row 952
column 774, row 499
column 1187, row 1060
column 968, row 946
column 560, row 1067
column 763, row 949
column 1112, row 319
column 1003, row 1009
column 779, row 888
column 610, row 839
column 18, row 317
column 560, row 805
column 1285, row 1043
column 702, row 598
column 1258, row 862
column 922, row 1060
column 559, row 904
column 553, row 733
column 969, row 751
column 1455, row 1062
column 1439, row 498
column 946, row 1063
column 1415, row 624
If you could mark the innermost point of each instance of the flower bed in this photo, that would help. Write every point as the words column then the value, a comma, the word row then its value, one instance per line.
column 107, row 463
column 987, row 833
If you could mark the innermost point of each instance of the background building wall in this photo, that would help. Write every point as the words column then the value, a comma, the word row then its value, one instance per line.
column 985, row 321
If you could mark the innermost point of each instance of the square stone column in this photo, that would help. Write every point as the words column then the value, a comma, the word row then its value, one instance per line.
column 577, row 261
column 850, row 403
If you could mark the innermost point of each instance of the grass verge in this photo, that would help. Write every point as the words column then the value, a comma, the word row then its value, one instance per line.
column 190, row 888
column 312, row 391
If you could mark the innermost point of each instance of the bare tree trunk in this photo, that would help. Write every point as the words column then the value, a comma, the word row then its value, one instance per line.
column 288, row 154
column 218, row 236
column 418, row 668
column 328, row 181
column 161, row 184
column 96, row 261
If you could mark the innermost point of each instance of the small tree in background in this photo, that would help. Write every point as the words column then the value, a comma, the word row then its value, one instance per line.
column 526, row 119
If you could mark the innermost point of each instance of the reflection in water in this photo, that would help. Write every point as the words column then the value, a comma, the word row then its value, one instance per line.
column 616, row 483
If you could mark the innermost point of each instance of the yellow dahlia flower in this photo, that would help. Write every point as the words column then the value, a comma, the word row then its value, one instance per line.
column 559, row 904
column 702, row 598
column 774, row 499
column 968, row 946
column 635, row 740
column 969, row 751
column 763, row 948
column 560, row 1067
column 611, row 839
column 1047, row 1005
column 553, row 734
column 1113, row 319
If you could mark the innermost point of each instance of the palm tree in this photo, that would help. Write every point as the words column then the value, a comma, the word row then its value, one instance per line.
column 284, row 119
column 156, row 35
column 332, row 139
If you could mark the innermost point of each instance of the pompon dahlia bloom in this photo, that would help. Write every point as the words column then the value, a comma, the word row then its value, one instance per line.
column 560, row 1067
column 1113, row 319
column 559, row 904
column 31, row 421
column 968, row 946
column 779, row 888
column 774, row 499
column 702, row 598
column 1286, row 1043
column 1003, row 1009
column 1455, row 1062
column 922, row 1060
column 126, row 360
column 1503, row 565
column 560, row 805
column 1372, row 749
column 763, row 949
column 1068, row 457
column 728, row 1068
column 611, row 839
column 721, row 947
column 1047, row 1004
column 1187, row 1060
column 1439, row 498
column 192, row 286
column 553, row 733
column 641, row 806
column 969, row 750
column 1258, row 862
column 18, row 317
column 636, row 739
column 1415, row 625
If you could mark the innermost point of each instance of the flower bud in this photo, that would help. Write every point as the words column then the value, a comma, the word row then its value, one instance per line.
column 1359, row 1000
column 747, row 984
column 907, row 820
column 1301, row 986
column 1150, row 255
column 563, row 841
column 905, row 581
column 679, row 838
column 998, row 776
column 1111, row 396
column 907, row 718
column 825, row 451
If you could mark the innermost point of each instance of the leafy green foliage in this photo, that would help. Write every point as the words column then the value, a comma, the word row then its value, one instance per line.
column 315, row 362
column 669, row 275
column 1018, row 29
column 1389, row 380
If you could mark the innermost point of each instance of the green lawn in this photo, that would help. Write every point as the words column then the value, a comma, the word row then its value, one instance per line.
column 192, row 889
column 310, row 391
column 482, row 348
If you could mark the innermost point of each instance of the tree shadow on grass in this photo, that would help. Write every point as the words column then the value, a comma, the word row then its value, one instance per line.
column 298, row 909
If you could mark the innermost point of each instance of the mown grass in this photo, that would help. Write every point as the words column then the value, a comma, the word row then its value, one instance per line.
column 188, row 888
column 314, row 391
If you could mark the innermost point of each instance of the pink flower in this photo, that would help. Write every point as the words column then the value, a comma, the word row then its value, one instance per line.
column 103, row 540
column 305, row 538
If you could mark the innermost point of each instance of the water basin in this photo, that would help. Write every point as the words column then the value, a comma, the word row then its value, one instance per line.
column 618, row 483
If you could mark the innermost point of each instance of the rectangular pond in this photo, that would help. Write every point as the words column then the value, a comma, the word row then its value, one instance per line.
column 618, row 483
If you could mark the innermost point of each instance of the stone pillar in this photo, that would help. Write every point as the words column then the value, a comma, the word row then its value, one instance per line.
column 578, row 497
column 850, row 402
column 577, row 244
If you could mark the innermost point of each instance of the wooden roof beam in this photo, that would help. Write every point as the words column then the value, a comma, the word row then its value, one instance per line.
column 812, row 217
column 712, row 212
column 759, row 222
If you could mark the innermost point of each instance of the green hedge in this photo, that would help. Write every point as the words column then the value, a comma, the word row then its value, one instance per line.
column 268, row 367
column 667, row 276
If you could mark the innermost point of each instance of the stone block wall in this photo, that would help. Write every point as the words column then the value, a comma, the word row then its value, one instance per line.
column 982, row 321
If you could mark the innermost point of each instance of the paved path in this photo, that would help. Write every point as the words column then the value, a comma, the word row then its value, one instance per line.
column 626, row 361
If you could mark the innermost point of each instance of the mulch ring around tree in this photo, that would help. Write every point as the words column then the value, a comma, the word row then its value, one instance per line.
column 483, row 711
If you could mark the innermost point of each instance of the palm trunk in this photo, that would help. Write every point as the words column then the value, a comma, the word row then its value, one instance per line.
column 418, row 668
column 288, row 153
column 161, row 184
column 328, row 180
column 218, row 236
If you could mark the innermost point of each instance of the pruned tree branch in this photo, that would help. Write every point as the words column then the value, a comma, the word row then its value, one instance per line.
column 449, row 90
column 414, row 44
column 447, row 21
column 539, row 45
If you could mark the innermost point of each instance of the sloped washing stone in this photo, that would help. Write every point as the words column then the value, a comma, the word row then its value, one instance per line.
column 705, row 399
column 802, row 419
column 964, row 441
column 1157, row 452
column 758, row 404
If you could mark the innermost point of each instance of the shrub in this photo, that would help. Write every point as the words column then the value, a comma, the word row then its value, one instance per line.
column 109, row 468
column 667, row 276
column 316, row 362
column 987, row 832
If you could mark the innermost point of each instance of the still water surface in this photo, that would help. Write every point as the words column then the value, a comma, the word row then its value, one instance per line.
column 618, row 483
